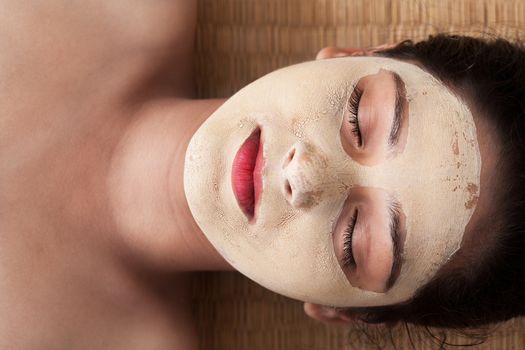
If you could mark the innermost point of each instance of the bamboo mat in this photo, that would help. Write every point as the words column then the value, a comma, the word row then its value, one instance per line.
column 241, row 40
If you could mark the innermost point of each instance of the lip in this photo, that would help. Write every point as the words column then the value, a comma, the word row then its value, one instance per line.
column 246, row 174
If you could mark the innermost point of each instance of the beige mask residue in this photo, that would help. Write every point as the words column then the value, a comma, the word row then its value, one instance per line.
column 289, row 249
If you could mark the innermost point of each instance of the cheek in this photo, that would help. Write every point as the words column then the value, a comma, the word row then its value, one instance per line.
column 299, row 248
column 301, row 234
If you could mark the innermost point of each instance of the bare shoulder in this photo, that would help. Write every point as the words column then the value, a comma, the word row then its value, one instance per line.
column 136, row 21
column 61, row 39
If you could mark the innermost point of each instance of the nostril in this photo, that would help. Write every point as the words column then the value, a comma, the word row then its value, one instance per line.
column 288, row 188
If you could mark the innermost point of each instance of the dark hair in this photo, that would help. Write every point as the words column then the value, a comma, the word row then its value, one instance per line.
column 490, row 72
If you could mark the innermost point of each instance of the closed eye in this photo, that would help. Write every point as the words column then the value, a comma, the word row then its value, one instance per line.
column 348, row 256
column 353, row 114
column 374, row 118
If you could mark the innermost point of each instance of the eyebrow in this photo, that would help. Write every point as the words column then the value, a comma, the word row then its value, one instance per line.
column 394, row 210
column 395, row 130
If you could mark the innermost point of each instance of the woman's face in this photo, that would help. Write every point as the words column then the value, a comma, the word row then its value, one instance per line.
column 345, row 182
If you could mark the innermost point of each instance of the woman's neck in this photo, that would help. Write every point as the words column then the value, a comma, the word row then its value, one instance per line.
column 146, row 188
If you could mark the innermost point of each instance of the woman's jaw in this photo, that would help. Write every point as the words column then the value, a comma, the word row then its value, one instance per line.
column 145, row 187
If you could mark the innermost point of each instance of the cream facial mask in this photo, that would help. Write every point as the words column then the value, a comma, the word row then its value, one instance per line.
column 315, row 176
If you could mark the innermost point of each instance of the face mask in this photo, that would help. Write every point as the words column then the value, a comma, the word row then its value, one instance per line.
column 362, row 154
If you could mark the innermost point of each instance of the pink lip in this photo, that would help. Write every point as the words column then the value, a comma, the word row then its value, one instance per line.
column 246, row 174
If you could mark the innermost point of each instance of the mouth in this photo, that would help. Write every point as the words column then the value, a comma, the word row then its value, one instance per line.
column 246, row 174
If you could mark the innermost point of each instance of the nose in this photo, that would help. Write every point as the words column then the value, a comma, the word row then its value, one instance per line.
column 304, row 175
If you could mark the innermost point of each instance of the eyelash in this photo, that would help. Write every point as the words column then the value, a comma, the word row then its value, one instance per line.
column 353, row 108
column 348, row 256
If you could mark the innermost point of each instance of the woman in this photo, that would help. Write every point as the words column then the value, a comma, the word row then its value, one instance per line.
column 407, row 200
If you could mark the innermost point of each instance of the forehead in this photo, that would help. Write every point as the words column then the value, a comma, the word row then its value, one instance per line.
column 480, row 235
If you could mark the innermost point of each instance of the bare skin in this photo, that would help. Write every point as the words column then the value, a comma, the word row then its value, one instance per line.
column 96, row 238
column 74, row 80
